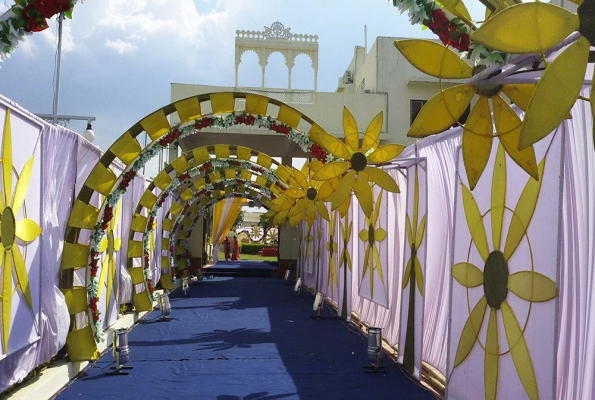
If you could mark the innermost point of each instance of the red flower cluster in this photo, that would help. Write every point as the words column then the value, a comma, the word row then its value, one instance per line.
column 317, row 152
column 206, row 166
column 203, row 123
column 245, row 119
column 171, row 249
column 280, row 128
column 108, row 214
column 94, row 261
column 448, row 32
column 235, row 163
column 35, row 13
column 150, row 285
column 169, row 137
column 128, row 177
column 150, row 223
column 94, row 311
column 257, row 169
column 146, row 256
column 162, row 200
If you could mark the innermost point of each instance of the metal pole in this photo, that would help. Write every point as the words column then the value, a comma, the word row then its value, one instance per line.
column 57, row 90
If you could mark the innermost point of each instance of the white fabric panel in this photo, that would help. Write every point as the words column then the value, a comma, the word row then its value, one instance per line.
column 412, row 299
column 538, row 252
column 440, row 155
column 332, row 267
column 576, row 349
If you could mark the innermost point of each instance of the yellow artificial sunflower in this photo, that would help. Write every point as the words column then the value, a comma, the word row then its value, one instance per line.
column 331, row 247
column 529, row 28
column 497, row 281
column 446, row 108
column 25, row 230
column 310, row 195
column 113, row 245
column 371, row 235
column 354, row 171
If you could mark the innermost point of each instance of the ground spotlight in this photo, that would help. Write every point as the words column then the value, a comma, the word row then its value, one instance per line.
column 374, row 351
column 121, row 351
column 298, row 287
column 165, row 307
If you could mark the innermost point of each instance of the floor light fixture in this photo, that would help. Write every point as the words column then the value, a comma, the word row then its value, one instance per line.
column 121, row 351
column 374, row 351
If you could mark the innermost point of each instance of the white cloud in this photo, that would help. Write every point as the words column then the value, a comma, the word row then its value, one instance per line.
column 120, row 46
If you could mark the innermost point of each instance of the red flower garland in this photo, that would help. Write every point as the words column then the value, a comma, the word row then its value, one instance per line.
column 35, row 13
column 449, row 32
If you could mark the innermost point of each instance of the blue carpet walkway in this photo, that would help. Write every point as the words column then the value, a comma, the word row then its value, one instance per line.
column 243, row 338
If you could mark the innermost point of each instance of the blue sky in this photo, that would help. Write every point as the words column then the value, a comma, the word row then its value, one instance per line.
column 120, row 56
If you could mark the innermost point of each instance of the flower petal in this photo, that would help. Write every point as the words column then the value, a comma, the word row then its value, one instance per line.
column 519, row 351
column 364, row 235
column 532, row 286
column 377, row 209
column 556, row 93
column 295, row 193
column 457, row 7
column 20, row 190
column 363, row 192
column 407, row 274
column 508, row 126
column 523, row 213
column 492, row 357
column 378, row 264
column 409, row 231
column 322, row 210
column 382, row 179
column 298, row 207
column 442, row 111
column 300, row 179
column 385, row 153
column 343, row 190
column 27, row 230
column 434, row 59
column 498, row 196
column 331, row 170
column 526, row 28
column 475, row 223
column 419, row 276
column 467, row 274
column 103, row 274
column 351, row 130
column 334, row 146
column 519, row 93
column 477, row 141
column 420, row 232
column 103, row 245
column 7, row 158
column 325, row 192
column 343, row 208
column 310, row 214
column 371, row 139
column 470, row 331
column 379, row 235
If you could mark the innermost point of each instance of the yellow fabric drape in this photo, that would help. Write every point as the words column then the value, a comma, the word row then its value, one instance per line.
column 224, row 216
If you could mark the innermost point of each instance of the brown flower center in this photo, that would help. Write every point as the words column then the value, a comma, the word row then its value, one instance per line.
column 311, row 193
column 371, row 234
column 495, row 279
column 485, row 90
column 7, row 228
column 358, row 162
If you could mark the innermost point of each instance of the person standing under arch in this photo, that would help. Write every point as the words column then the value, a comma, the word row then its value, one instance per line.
column 235, row 249
column 227, row 248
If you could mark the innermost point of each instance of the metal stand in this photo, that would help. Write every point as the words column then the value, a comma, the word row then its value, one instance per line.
column 374, row 352
column 185, row 286
column 165, row 307
column 287, row 280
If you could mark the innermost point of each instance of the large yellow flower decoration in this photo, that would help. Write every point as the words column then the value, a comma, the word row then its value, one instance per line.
column 355, row 167
column 497, row 281
column 534, row 28
column 413, row 273
column 446, row 108
column 372, row 235
column 310, row 194
column 113, row 245
column 331, row 247
column 25, row 230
